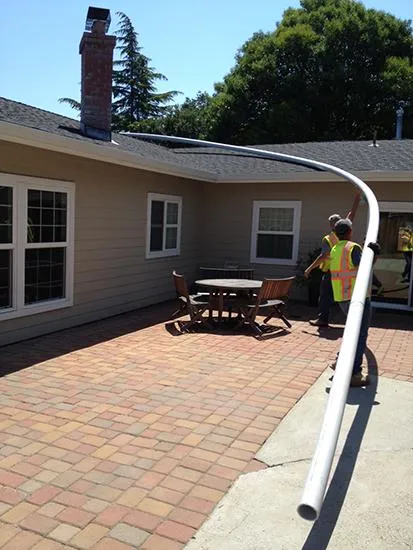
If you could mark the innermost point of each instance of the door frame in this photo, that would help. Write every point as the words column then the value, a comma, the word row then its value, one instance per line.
column 398, row 207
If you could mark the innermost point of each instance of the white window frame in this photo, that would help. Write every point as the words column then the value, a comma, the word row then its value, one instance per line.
column 296, row 205
column 20, row 186
column 165, row 252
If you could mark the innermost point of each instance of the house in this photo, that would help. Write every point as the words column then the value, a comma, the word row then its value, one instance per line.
column 92, row 223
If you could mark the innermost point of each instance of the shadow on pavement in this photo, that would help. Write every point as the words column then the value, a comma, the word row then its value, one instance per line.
column 364, row 398
column 17, row 356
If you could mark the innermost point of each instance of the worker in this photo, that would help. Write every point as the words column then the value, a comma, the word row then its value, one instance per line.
column 406, row 238
column 326, row 294
column 345, row 258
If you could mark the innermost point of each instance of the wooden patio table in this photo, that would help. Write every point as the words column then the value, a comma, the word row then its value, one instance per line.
column 217, row 287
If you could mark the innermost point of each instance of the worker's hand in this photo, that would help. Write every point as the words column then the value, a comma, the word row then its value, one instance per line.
column 307, row 273
column 376, row 248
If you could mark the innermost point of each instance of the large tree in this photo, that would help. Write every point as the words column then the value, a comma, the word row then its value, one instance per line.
column 331, row 69
column 135, row 94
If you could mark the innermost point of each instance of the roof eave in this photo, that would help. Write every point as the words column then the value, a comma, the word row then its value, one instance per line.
column 40, row 139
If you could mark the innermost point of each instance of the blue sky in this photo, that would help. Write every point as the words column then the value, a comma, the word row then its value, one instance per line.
column 192, row 42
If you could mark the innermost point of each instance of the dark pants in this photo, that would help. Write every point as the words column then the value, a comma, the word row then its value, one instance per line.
column 326, row 299
column 364, row 329
column 375, row 281
column 408, row 266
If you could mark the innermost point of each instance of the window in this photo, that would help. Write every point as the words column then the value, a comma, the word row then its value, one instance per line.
column 164, row 225
column 275, row 232
column 36, row 245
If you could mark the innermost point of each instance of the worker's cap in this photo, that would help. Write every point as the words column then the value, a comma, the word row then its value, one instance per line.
column 334, row 218
column 342, row 227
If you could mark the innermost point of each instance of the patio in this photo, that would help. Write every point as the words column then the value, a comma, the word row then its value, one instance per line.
column 122, row 435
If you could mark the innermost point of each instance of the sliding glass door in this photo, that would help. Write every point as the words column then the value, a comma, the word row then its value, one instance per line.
column 392, row 274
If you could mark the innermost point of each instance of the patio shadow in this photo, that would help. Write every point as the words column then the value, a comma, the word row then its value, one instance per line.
column 323, row 529
column 224, row 328
column 21, row 355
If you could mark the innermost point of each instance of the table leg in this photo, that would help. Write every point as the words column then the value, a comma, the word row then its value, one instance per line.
column 220, row 304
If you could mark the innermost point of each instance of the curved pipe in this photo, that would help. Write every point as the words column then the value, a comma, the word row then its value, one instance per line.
column 317, row 479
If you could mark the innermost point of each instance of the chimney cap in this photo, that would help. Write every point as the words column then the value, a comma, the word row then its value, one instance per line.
column 97, row 14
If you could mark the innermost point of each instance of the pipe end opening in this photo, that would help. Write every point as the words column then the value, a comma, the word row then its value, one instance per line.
column 307, row 512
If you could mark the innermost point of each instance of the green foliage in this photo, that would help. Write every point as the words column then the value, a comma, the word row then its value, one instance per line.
column 71, row 102
column 135, row 96
column 331, row 69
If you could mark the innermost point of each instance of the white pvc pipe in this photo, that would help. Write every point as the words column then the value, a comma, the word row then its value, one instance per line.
column 317, row 479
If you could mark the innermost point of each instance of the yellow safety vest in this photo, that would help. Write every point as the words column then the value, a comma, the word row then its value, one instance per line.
column 331, row 240
column 343, row 271
column 407, row 240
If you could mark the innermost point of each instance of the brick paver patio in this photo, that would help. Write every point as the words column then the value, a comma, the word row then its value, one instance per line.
column 122, row 434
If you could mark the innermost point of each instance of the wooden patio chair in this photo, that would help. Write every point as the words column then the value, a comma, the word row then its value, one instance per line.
column 272, row 296
column 192, row 304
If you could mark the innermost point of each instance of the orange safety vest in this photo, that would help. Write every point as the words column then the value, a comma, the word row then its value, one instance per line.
column 331, row 240
column 343, row 271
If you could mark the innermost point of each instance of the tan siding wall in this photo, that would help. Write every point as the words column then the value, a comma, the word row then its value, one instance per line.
column 111, row 273
column 227, row 235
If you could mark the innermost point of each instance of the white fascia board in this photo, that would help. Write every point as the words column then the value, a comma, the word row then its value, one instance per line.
column 23, row 135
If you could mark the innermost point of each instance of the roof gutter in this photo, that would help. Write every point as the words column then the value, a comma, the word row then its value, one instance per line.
column 302, row 177
column 15, row 133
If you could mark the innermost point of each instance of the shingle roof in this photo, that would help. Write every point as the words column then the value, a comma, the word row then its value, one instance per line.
column 354, row 156
column 33, row 117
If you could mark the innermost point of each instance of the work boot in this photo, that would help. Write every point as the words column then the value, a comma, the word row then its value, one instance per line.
column 319, row 323
column 359, row 380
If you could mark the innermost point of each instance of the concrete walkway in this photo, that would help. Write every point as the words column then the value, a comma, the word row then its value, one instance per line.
column 369, row 503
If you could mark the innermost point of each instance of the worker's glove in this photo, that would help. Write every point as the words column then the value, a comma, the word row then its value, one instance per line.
column 376, row 248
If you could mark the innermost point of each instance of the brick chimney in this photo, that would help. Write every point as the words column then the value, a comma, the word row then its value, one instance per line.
column 96, row 49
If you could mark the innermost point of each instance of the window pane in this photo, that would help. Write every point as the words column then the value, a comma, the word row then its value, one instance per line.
column 5, row 234
column 59, row 234
column 46, row 216
column 171, row 237
column 6, row 214
column 157, row 213
column 6, row 195
column 157, row 210
column 47, row 199
column 5, row 278
column 34, row 198
column 33, row 216
column 156, row 238
column 172, row 213
column 60, row 200
column 276, row 219
column 275, row 246
column 44, row 274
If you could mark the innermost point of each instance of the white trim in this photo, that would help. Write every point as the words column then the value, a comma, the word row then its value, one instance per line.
column 296, row 205
column 170, row 251
column 20, row 185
